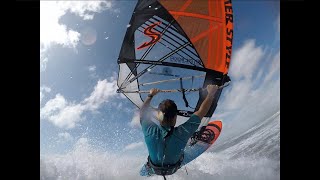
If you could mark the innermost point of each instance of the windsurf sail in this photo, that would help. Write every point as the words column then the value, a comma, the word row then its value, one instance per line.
column 178, row 46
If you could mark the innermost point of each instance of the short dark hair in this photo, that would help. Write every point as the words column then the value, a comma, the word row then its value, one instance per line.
column 169, row 108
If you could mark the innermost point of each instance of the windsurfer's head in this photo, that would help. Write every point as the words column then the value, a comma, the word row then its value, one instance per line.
column 167, row 113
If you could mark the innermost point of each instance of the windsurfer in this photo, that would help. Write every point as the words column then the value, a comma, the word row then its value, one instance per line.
column 166, row 143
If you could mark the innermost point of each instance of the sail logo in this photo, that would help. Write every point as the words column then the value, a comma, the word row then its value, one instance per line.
column 229, row 29
column 154, row 35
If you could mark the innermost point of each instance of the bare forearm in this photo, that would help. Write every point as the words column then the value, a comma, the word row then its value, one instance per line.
column 146, row 104
column 205, row 106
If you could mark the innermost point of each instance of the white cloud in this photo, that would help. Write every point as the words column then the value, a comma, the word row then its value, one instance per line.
column 92, row 68
column 274, row 67
column 134, row 146
column 43, row 89
column 92, row 71
column 43, row 60
column 61, row 113
column 86, row 9
column 50, row 29
column 65, row 114
column 102, row 92
column 51, row 32
column 245, row 60
column 68, row 116
column 243, row 69
column 41, row 96
column 238, row 94
column 277, row 28
column 116, row 10
column 65, row 136
column 53, row 106
column 254, row 92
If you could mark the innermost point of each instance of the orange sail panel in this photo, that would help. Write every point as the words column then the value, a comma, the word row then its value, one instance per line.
column 209, row 26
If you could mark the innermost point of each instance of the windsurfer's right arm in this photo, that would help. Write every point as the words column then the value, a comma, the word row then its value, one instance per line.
column 206, row 104
column 186, row 130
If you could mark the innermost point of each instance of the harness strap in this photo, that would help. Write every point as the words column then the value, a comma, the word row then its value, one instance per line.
column 167, row 169
column 164, row 141
column 169, row 132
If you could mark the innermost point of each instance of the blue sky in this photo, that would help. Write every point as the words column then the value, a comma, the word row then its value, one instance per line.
column 78, row 75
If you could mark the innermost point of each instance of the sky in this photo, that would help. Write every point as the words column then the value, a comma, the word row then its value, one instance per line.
column 79, row 107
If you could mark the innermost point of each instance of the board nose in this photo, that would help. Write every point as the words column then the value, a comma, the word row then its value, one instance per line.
column 218, row 123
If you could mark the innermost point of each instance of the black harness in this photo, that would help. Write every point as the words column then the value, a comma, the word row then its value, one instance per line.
column 165, row 169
